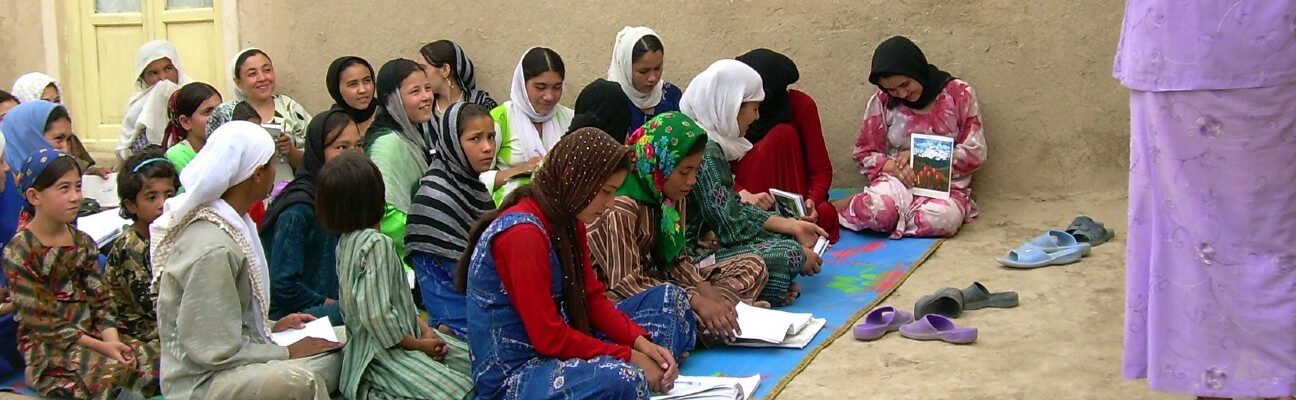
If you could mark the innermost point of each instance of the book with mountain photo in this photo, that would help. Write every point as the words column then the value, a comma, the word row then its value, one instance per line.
column 932, row 160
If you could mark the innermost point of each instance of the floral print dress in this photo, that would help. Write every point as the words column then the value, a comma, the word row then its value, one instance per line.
column 887, row 205
column 60, row 295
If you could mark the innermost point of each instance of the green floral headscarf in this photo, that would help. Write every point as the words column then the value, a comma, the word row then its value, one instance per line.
column 658, row 147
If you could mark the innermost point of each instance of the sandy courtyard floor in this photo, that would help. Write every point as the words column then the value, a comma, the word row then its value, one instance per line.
column 1062, row 342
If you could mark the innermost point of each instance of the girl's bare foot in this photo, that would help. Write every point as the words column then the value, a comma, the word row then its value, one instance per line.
column 793, row 292
column 761, row 304
column 445, row 329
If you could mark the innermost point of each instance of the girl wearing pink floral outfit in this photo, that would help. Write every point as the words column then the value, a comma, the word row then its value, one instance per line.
column 913, row 97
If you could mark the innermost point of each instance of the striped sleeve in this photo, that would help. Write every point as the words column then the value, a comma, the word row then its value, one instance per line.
column 617, row 256
column 375, row 297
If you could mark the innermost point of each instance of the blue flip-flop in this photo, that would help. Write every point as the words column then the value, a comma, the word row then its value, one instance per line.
column 1056, row 240
column 1031, row 256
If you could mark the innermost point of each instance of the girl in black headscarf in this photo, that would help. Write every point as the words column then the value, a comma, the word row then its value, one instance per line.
column 788, row 151
column 915, row 97
column 350, row 82
column 299, row 251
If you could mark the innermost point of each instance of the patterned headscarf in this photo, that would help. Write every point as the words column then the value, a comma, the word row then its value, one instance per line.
column 34, row 166
column 657, row 149
column 31, row 85
column 464, row 70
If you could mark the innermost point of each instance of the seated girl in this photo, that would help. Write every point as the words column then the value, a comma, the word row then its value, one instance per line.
column 144, row 183
column 67, row 330
column 723, row 101
column 638, row 61
column 788, row 151
column 391, row 352
column 449, row 199
column 213, row 284
column 191, row 108
column 398, row 141
column 303, row 273
column 30, row 127
column 600, row 105
column 913, row 97
column 158, row 75
column 639, row 242
column 539, row 324
column 530, row 123
column 452, row 76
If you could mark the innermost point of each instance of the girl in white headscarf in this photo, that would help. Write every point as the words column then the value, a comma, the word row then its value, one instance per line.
column 724, row 100
column 530, row 123
column 158, row 74
column 213, row 285
column 37, row 86
column 638, row 61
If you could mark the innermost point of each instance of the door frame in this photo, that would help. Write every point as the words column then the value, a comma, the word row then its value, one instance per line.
column 61, row 34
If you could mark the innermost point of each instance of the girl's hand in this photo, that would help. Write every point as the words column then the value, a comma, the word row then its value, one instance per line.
column 812, row 215
column 118, row 351
column 292, row 321
column 716, row 317
column 761, row 200
column 806, row 233
column 813, row 264
column 284, row 144
column 653, row 373
column 311, row 346
column 661, row 357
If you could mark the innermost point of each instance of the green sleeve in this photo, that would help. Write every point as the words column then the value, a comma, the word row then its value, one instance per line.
column 393, row 225
column 399, row 171
column 733, row 221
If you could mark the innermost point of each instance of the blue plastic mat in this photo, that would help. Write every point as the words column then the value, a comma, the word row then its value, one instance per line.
column 859, row 271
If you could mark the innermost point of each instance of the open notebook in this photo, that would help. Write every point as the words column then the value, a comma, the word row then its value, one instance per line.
column 102, row 190
column 319, row 328
column 772, row 328
column 711, row 388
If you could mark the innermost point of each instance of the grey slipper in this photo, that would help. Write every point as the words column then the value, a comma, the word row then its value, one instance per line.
column 1087, row 230
column 947, row 302
column 978, row 297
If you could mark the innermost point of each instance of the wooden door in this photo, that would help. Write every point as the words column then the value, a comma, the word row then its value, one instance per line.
column 104, row 36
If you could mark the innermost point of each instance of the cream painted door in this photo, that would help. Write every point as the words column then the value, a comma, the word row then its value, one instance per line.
column 103, row 36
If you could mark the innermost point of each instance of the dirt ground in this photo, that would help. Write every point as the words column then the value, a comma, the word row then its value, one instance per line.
column 1062, row 342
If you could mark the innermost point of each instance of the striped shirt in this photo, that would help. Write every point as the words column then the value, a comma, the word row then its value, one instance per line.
column 622, row 243
column 380, row 312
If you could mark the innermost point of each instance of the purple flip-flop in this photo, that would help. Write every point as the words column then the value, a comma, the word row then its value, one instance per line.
column 938, row 327
column 881, row 320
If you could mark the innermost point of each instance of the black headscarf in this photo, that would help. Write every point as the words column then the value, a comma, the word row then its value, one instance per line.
column 777, row 71
column 302, row 188
column 603, row 105
column 900, row 56
column 391, row 112
column 334, row 80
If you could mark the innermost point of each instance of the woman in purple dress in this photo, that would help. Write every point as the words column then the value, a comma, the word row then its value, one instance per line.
column 1210, row 307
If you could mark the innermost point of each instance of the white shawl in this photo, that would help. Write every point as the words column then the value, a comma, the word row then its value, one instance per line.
column 147, row 109
column 622, row 69
column 713, row 99
column 522, row 117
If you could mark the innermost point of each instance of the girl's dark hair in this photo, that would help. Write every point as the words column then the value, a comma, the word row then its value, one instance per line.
column 333, row 125
column 57, row 168
column 6, row 96
column 540, row 60
column 186, row 102
column 470, row 111
column 440, row 53
column 243, row 111
column 238, row 62
column 644, row 45
column 349, row 193
column 56, row 114
column 132, row 177
column 697, row 147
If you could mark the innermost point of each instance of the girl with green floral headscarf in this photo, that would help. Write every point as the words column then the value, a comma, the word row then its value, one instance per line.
column 640, row 243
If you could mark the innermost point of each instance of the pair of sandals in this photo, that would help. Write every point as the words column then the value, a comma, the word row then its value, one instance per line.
column 931, row 319
column 1059, row 247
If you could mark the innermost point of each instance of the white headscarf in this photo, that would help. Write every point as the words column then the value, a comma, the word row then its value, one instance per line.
column 31, row 85
column 147, row 109
column 234, row 71
column 713, row 99
column 232, row 154
column 622, row 69
column 522, row 116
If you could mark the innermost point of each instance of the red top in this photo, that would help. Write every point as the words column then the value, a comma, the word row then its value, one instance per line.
column 523, row 264
column 793, row 157
column 813, row 174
